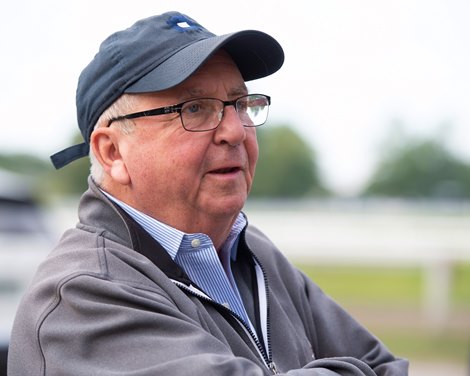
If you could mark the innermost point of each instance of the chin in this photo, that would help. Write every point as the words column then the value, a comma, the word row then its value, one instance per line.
column 227, row 206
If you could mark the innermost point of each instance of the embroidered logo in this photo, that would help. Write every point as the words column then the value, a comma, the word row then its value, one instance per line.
column 183, row 24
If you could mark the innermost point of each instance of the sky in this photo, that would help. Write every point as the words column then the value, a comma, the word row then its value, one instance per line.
column 353, row 69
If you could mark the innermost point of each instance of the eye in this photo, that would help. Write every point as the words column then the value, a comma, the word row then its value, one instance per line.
column 193, row 107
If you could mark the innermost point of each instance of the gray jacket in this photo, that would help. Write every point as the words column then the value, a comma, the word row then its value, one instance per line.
column 110, row 301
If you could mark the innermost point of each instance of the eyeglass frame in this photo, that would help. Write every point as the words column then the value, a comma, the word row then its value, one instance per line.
column 176, row 108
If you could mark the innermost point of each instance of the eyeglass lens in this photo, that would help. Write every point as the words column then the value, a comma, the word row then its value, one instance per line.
column 206, row 113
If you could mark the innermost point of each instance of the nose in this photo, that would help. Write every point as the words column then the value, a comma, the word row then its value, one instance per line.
column 230, row 130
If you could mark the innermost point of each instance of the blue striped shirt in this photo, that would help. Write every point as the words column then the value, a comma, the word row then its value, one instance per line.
column 197, row 256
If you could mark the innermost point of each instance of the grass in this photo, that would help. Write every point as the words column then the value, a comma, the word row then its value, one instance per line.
column 427, row 346
column 398, row 293
column 362, row 285
column 461, row 285
column 379, row 286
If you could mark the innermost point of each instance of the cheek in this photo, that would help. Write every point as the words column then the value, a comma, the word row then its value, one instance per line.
column 143, row 161
column 253, row 153
column 180, row 162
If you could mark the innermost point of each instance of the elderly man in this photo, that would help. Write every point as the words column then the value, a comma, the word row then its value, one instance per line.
column 162, row 275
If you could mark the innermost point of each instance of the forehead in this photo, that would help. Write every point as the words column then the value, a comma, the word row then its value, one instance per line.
column 219, row 57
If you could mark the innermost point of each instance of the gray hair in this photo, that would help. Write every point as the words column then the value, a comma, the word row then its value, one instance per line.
column 123, row 105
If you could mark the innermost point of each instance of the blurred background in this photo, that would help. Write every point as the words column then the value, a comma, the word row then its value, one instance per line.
column 366, row 152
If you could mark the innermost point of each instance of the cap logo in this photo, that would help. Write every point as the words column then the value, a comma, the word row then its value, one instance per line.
column 183, row 24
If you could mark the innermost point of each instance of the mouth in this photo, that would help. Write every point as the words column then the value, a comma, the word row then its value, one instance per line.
column 226, row 170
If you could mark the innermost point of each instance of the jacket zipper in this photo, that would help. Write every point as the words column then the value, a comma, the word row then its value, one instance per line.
column 271, row 365
column 263, row 355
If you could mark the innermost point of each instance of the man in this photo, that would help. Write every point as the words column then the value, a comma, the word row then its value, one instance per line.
column 162, row 275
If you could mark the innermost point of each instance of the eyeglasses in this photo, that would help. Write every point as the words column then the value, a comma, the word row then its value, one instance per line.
column 205, row 114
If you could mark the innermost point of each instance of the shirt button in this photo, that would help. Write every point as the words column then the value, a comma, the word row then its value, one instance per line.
column 195, row 243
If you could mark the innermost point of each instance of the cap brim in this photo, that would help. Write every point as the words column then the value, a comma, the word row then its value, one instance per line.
column 256, row 54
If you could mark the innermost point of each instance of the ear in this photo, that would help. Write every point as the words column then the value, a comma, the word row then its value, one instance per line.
column 105, row 143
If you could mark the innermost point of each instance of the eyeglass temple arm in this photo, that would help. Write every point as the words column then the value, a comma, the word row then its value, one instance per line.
column 154, row 112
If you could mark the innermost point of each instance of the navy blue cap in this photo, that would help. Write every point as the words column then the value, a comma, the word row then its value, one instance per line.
column 155, row 54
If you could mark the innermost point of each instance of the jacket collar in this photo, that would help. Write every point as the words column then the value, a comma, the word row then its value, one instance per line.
column 98, row 212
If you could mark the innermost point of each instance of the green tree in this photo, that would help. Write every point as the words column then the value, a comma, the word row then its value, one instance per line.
column 32, row 168
column 23, row 164
column 420, row 168
column 44, row 180
column 286, row 165
column 71, row 179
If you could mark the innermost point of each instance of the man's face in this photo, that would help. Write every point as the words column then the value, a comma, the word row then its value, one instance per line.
column 186, row 178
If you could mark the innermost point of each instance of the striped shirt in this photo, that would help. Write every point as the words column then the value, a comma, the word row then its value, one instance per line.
column 197, row 256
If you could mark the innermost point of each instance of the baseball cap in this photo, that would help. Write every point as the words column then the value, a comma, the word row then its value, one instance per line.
column 155, row 54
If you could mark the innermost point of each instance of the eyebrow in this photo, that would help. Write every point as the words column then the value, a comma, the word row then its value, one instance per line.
column 236, row 91
column 241, row 90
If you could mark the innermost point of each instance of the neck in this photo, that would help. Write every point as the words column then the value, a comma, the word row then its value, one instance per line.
column 218, row 229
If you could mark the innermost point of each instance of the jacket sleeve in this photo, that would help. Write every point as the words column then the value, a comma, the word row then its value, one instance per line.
column 340, row 345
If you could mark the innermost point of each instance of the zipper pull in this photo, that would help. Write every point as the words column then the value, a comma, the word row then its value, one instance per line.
column 272, row 367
